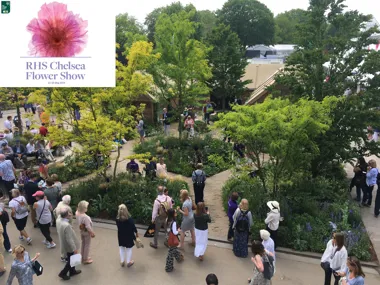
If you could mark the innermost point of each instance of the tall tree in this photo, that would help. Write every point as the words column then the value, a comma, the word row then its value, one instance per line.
column 228, row 65
column 182, row 70
column 207, row 21
column 251, row 20
column 332, row 59
column 174, row 8
column 128, row 30
column 286, row 24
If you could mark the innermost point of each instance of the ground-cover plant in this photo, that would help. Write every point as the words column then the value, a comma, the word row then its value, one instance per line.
column 72, row 167
column 138, row 194
column 312, row 209
column 182, row 155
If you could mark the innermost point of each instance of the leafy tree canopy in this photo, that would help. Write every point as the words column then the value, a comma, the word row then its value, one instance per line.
column 251, row 20
column 286, row 24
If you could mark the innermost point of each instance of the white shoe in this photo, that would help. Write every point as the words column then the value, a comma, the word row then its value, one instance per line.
column 21, row 238
column 29, row 241
column 10, row 250
column 51, row 245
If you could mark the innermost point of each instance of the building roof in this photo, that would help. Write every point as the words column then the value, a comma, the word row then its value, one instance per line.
column 259, row 73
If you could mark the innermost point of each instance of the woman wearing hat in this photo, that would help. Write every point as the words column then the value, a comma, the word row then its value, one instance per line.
column 43, row 210
column 273, row 220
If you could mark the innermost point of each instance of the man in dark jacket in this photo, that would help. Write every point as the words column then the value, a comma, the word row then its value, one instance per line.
column 30, row 188
column 20, row 151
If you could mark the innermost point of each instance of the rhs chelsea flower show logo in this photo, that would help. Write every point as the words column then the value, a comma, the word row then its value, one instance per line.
column 57, row 32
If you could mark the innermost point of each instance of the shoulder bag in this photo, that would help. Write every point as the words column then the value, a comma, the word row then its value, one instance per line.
column 173, row 239
column 37, row 268
column 43, row 208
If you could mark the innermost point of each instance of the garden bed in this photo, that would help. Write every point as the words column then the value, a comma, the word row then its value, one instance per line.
column 138, row 195
column 182, row 155
column 309, row 218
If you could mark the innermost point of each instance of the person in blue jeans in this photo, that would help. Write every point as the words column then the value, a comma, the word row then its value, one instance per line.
column 4, row 218
column 371, row 180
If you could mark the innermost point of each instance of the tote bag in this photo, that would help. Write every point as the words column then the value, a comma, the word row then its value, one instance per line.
column 75, row 260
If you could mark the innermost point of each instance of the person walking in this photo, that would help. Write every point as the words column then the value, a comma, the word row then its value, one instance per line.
column 187, row 218
column 160, row 213
column 232, row 206
column 161, row 170
column 7, row 174
column 43, row 209
column 359, row 178
column 337, row 260
column 20, row 214
column 199, row 183
column 354, row 274
column 273, row 220
column 371, row 179
column 166, row 121
column 30, row 188
column 259, row 258
column 126, row 234
column 52, row 193
column 2, row 264
column 242, row 224
column 64, row 204
column 201, row 218
column 22, row 266
column 326, row 259
column 140, row 129
column 69, row 243
column 4, row 219
column 86, row 231
column 173, row 242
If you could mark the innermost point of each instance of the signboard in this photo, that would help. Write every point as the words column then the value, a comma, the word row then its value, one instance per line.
column 61, row 43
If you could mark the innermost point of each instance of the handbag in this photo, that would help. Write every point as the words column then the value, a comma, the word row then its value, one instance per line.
column 37, row 268
column 173, row 239
column 150, row 231
column 75, row 260
column 139, row 243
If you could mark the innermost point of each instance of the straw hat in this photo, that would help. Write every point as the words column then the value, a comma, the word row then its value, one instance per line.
column 274, row 206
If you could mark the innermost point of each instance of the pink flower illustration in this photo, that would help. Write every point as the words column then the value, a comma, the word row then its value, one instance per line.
column 57, row 32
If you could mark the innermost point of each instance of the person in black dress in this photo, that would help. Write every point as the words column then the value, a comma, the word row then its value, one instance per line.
column 359, row 178
column 126, row 233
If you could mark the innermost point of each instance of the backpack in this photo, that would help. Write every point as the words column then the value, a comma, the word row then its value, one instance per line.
column 163, row 209
column 199, row 178
column 268, row 267
column 242, row 224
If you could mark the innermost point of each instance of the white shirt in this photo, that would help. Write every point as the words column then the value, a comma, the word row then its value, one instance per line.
column 8, row 137
column 34, row 131
column 30, row 148
column 28, row 122
column 273, row 220
column 16, row 205
column 339, row 260
column 269, row 246
column 8, row 124
column 330, row 248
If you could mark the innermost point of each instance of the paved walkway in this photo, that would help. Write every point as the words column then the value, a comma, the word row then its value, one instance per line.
column 371, row 223
column 149, row 264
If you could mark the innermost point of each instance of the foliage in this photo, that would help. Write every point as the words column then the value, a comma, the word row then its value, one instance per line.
column 311, row 209
column 138, row 195
column 207, row 21
column 332, row 59
column 228, row 65
column 284, row 131
column 251, row 20
column 182, row 70
column 286, row 24
column 181, row 156
column 128, row 30
column 73, row 167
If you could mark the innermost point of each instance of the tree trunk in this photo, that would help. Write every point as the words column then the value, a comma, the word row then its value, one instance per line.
column 19, row 125
column 117, row 160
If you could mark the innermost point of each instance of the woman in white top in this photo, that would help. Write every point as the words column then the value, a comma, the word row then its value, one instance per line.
column 273, row 220
column 338, row 259
column 161, row 171
column 43, row 212
column 326, row 258
column 20, row 213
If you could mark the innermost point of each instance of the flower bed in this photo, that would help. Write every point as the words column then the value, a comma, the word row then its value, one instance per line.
column 181, row 155
column 138, row 195
column 309, row 217
column 72, row 168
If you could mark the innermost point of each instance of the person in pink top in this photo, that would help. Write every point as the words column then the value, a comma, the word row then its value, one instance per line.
column 161, row 206
column 189, row 125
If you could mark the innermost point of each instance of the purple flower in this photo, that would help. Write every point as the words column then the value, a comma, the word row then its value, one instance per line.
column 308, row 227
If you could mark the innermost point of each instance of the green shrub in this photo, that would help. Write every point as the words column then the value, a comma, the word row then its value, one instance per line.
column 138, row 195
column 311, row 209
column 72, row 168
column 181, row 156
